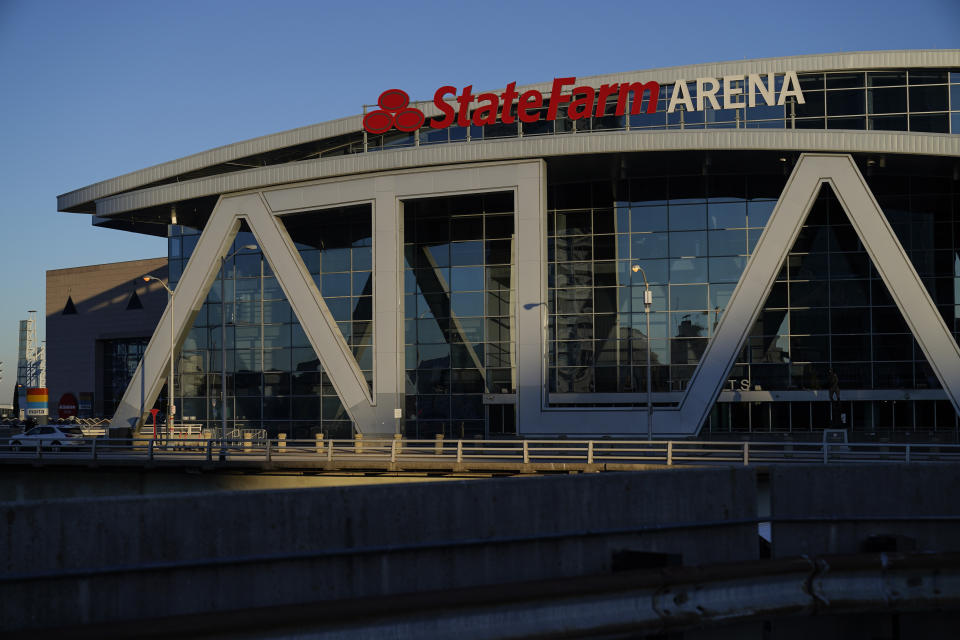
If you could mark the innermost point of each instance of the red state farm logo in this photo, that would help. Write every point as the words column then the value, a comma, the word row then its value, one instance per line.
column 393, row 112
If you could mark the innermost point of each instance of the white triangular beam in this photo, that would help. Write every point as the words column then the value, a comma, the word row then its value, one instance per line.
column 886, row 252
column 295, row 280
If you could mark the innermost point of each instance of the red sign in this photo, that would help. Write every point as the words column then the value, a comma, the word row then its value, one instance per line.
column 67, row 407
column 584, row 102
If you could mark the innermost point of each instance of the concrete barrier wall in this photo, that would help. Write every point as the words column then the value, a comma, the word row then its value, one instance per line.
column 904, row 493
column 543, row 515
column 47, row 483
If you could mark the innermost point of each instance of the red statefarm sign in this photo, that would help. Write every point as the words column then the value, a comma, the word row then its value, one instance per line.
column 465, row 108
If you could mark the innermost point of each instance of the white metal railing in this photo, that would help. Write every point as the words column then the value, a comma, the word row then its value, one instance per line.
column 608, row 454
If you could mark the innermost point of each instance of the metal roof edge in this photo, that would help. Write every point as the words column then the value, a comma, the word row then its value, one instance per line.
column 813, row 140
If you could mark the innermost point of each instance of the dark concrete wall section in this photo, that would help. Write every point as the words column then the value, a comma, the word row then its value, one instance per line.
column 70, row 535
column 905, row 493
column 40, row 483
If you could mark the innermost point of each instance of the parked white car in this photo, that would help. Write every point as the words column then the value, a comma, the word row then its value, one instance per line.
column 49, row 436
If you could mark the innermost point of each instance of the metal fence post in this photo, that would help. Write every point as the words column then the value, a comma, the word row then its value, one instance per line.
column 669, row 453
column 269, row 444
column 590, row 452
column 907, row 454
column 459, row 450
column 526, row 452
column 93, row 449
column 209, row 450
column 150, row 450
column 393, row 450
column 358, row 443
column 826, row 452
column 746, row 454
column 330, row 451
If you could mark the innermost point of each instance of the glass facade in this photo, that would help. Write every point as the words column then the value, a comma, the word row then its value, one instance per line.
column 274, row 378
column 690, row 221
column 687, row 220
column 458, row 290
column 120, row 360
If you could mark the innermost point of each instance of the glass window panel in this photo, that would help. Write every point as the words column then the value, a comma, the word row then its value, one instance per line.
column 652, row 218
column 929, row 98
column 467, row 278
column 466, row 253
column 720, row 295
column 927, row 76
column 466, row 304
column 809, row 321
column 688, row 244
column 727, row 215
column 890, row 100
column 648, row 245
column 688, row 270
column 845, row 80
column 335, row 284
column 808, row 294
column 847, row 102
column 887, row 123
column 810, row 123
column 847, row 123
column 687, row 217
column 656, row 271
column 853, row 320
column 727, row 269
column 930, row 123
column 727, row 242
column 886, row 78
column 362, row 258
column 688, row 297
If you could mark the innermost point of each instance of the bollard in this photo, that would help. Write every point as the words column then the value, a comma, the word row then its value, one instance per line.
column 526, row 452
column 590, row 452
column 247, row 442
column 670, row 453
column 459, row 450
column 358, row 443
column 394, row 445
column 438, row 445
column 330, row 451
column 319, row 438
column 282, row 442
column 746, row 454
column 397, row 443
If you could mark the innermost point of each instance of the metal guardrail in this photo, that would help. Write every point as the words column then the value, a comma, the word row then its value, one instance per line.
column 588, row 454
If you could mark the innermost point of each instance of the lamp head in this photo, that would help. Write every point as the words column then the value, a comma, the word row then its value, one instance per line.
column 250, row 247
column 147, row 278
column 635, row 268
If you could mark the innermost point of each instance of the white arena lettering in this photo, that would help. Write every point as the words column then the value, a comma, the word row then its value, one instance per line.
column 733, row 92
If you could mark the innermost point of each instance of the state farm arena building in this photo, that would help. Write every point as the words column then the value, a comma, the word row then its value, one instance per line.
column 488, row 280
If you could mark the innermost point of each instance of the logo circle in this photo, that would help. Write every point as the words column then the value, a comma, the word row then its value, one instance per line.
column 409, row 120
column 377, row 121
column 393, row 100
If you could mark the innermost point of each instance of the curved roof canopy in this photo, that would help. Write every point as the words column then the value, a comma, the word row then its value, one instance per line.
column 335, row 147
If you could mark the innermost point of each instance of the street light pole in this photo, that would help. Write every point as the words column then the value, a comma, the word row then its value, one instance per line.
column 223, row 341
column 170, row 405
column 647, row 301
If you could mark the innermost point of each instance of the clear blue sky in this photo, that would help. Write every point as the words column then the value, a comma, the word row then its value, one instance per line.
column 91, row 90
